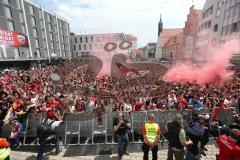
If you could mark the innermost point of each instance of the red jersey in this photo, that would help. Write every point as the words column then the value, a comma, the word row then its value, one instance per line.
column 54, row 106
column 228, row 149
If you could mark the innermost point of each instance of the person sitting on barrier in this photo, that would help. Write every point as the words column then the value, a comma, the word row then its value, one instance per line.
column 16, row 134
column 176, row 137
column 120, row 127
column 151, row 136
column 229, row 149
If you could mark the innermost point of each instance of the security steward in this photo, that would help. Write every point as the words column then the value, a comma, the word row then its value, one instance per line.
column 4, row 149
column 151, row 136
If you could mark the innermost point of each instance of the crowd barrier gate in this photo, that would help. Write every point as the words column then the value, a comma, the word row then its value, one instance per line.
column 84, row 128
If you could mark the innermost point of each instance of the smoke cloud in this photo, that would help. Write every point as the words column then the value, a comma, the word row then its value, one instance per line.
column 214, row 70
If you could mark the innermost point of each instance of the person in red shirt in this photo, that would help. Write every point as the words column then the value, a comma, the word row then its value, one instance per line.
column 52, row 109
column 228, row 147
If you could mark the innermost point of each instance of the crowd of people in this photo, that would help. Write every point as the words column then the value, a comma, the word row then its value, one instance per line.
column 80, row 89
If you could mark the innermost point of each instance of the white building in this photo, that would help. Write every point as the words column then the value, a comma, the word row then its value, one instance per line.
column 219, row 21
column 97, row 44
column 47, row 33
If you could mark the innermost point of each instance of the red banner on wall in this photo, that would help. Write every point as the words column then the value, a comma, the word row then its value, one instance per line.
column 9, row 38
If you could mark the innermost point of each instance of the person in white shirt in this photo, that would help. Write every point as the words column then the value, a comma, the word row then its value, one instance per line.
column 172, row 99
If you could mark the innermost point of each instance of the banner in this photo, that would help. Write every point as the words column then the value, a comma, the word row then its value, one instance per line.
column 15, row 39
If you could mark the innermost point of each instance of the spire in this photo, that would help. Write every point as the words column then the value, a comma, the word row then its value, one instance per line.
column 160, row 25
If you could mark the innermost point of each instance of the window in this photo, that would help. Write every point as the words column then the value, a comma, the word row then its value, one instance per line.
column 52, row 45
column 74, row 47
column 21, row 17
column 36, row 43
column 226, row 14
column 86, row 39
column 79, row 46
column 215, row 27
column 49, row 26
column 33, row 21
column 10, row 25
column 48, row 18
column 90, row 46
column 41, row 24
column 18, row 4
column 35, row 32
column 31, row 10
column 23, row 29
column 209, row 24
column 85, row 47
column 91, row 39
column 75, row 39
column 8, row 12
column 80, row 39
column 232, row 11
column 5, row 1
column 218, row 12
column 211, row 10
column 234, row 27
column 51, row 36
column 232, row 2
column 16, row 53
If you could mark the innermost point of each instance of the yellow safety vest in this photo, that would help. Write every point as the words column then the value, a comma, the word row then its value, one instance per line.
column 4, row 153
column 151, row 131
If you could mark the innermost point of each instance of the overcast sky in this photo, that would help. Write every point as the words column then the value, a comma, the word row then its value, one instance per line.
column 137, row 17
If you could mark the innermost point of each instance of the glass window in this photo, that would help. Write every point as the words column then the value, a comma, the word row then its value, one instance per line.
column 86, row 38
column 35, row 32
column 23, row 29
column 8, row 12
column 215, row 27
column 48, row 17
column 226, row 14
column 74, row 47
column 85, row 47
column 21, row 17
column 80, row 39
column 33, row 21
column 31, row 10
column 51, row 36
column 5, row 1
column 36, row 43
column 52, row 45
column 91, row 39
column 41, row 24
column 49, row 26
column 75, row 39
column 10, row 25
column 80, row 47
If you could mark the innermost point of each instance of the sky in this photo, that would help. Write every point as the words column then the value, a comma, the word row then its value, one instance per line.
column 136, row 17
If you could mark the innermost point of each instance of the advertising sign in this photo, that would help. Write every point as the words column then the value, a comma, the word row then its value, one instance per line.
column 15, row 39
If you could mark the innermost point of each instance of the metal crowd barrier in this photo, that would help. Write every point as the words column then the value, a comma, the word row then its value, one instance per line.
column 85, row 128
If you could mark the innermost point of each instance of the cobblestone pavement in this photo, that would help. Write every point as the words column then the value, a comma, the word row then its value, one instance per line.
column 162, row 155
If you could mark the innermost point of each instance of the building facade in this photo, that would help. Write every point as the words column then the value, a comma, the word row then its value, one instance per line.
column 97, row 44
column 172, row 49
column 149, row 51
column 218, row 22
column 47, row 33
column 190, row 33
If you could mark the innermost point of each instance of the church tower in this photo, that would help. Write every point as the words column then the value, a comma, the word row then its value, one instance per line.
column 158, row 54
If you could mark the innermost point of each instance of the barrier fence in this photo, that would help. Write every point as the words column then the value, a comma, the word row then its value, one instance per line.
column 97, row 127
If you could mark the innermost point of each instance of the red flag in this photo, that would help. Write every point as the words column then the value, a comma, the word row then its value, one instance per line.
column 125, row 69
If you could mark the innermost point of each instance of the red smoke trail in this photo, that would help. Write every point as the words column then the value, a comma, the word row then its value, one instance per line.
column 214, row 70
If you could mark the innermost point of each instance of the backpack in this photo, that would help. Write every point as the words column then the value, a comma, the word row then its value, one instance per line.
column 44, row 130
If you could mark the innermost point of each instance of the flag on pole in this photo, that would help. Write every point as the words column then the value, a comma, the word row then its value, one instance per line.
column 125, row 69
